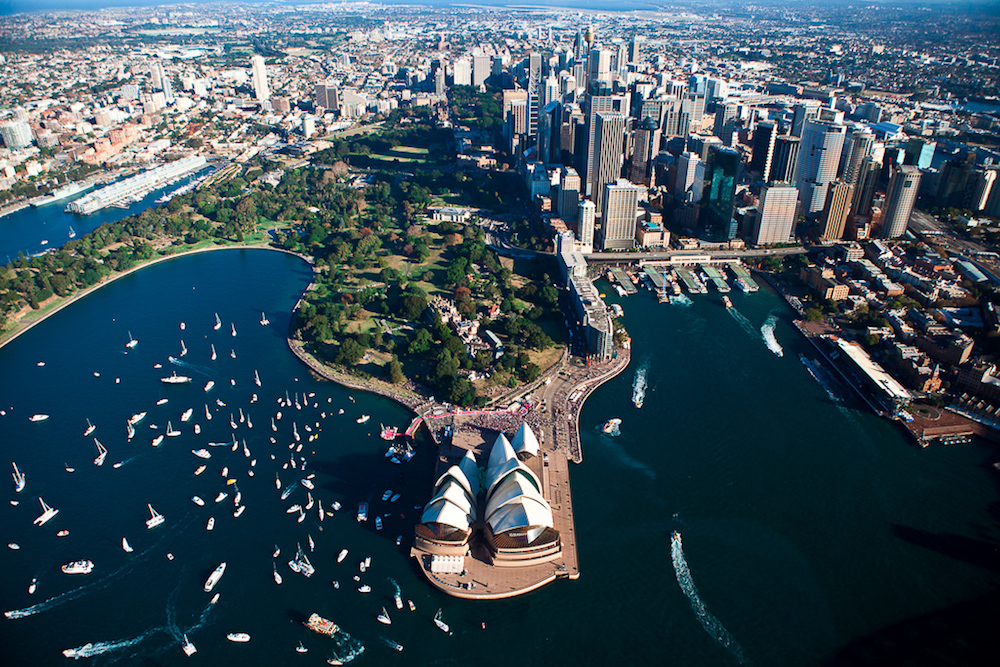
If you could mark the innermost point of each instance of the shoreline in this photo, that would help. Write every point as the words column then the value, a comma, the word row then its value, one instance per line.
column 82, row 293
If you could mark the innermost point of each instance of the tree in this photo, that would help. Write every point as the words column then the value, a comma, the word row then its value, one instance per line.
column 395, row 371
column 350, row 353
column 412, row 306
column 421, row 342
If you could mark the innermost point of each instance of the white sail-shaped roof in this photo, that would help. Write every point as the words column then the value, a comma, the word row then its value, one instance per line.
column 456, row 473
column 512, row 488
column 494, row 475
column 502, row 451
column 471, row 469
column 455, row 493
column 529, row 512
column 525, row 441
column 445, row 512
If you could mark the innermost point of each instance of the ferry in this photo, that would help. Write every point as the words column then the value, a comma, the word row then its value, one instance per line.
column 65, row 192
column 78, row 567
column 741, row 285
column 323, row 626
column 155, row 518
column 213, row 579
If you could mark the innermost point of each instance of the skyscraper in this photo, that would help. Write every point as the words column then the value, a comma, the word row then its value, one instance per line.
column 618, row 219
column 635, row 49
column 569, row 194
column 838, row 206
column 549, row 139
column 690, row 179
column 463, row 72
column 259, row 77
column 721, row 174
column 819, row 157
column 803, row 112
column 920, row 152
column 585, row 224
column 859, row 147
column 597, row 104
column 610, row 141
column 599, row 66
column 786, row 158
column 647, row 147
column 328, row 97
column 775, row 219
column 899, row 200
column 864, row 189
column 481, row 67
column 763, row 149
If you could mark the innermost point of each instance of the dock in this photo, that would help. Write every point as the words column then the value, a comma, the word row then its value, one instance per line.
column 656, row 275
column 693, row 285
column 739, row 271
column 717, row 278
column 622, row 279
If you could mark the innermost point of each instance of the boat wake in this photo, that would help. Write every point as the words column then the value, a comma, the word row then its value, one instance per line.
column 681, row 300
column 767, row 332
column 828, row 383
column 710, row 623
column 639, row 385
column 348, row 648
column 90, row 650
column 98, row 585
column 744, row 323
column 203, row 370
column 626, row 458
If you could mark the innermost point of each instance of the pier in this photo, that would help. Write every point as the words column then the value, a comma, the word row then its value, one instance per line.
column 741, row 272
column 693, row 285
column 717, row 278
column 622, row 279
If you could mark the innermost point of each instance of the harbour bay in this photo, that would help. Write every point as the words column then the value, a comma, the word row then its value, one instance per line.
column 807, row 523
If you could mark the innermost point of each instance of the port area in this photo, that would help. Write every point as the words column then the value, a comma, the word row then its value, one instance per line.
column 555, row 418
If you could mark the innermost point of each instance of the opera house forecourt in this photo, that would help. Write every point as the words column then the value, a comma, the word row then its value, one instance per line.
column 492, row 532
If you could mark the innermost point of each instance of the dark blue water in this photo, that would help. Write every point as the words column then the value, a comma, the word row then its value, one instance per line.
column 24, row 230
column 807, row 524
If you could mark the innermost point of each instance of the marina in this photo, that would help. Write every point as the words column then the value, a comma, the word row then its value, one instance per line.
column 136, row 187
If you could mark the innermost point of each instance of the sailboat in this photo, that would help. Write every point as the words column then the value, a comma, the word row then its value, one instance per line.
column 188, row 648
column 18, row 478
column 256, row 378
column 263, row 319
column 130, row 430
column 301, row 563
column 384, row 617
column 47, row 513
column 171, row 431
column 214, row 355
column 218, row 322
column 132, row 342
column 72, row 232
column 184, row 349
column 90, row 428
column 441, row 624
column 126, row 547
column 277, row 577
column 155, row 518
column 102, row 452
column 234, row 329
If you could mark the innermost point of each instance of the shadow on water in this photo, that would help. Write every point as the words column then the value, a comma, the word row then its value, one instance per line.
column 981, row 553
column 963, row 634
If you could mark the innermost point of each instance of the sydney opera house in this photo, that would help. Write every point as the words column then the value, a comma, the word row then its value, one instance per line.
column 497, row 515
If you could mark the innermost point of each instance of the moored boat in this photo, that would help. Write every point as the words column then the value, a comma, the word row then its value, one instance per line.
column 362, row 511
column 38, row 418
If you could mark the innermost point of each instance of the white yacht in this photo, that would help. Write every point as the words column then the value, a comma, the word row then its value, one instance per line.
column 186, row 415
column 78, row 567
column 239, row 637
column 213, row 579
column 211, row 523
column 363, row 418
column 38, row 418
column 47, row 513
column 157, row 440
column 126, row 547
column 136, row 418
column 198, row 501
column 155, row 518
column 201, row 453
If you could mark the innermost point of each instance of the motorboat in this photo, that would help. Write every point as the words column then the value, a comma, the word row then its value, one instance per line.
column 222, row 496
column 155, row 518
column 78, row 567
column 378, row 523
column 213, row 578
column 186, row 415
column 126, row 547
column 210, row 525
column 32, row 586
column 201, row 453
column 136, row 418
column 386, row 495
column 208, row 387
column 363, row 418
column 46, row 515
column 362, row 511
column 239, row 511
column 157, row 440
column 38, row 418
column 199, row 470
column 238, row 637
column 198, row 501
column 342, row 555
column 277, row 577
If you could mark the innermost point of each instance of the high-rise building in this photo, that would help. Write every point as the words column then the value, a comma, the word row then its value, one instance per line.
column 599, row 66
column 838, row 206
column 535, row 104
column 635, row 49
column 763, row 149
column 16, row 134
column 803, row 112
column 691, row 111
column 463, row 72
column 586, row 218
column 690, row 179
column 919, row 152
column 856, row 150
column 481, row 68
column 621, row 203
column 864, row 189
column 259, row 78
column 569, row 194
column 899, row 200
column 724, row 127
column 984, row 183
column 328, row 97
column 721, row 174
column 786, row 158
column 819, row 157
column 549, row 138
column 597, row 104
column 647, row 147
column 775, row 219
column 439, row 82
column 609, row 147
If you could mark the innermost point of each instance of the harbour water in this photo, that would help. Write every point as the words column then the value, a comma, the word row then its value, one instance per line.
column 24, row 230
column 805, row 523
